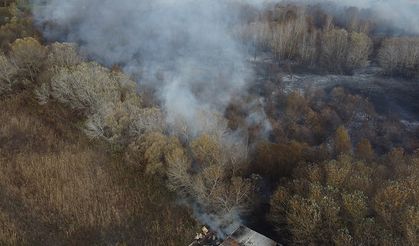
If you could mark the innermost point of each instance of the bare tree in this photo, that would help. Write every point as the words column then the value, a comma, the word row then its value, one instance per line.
column 334, row 46
column 287, row 36
column 8, row 72
column 177, row 172
column 308, row 48
column 62, row 55
column 400, row 56
column 85, row 87
column 359, row 49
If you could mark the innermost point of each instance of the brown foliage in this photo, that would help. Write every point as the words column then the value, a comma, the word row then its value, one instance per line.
column 352, row 203
column 59, row 188
column 278, row 160
column 364, row 150
column 28, row 55
column 343, row 142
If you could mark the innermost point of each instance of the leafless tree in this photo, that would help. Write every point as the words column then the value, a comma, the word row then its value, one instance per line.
column 400, row 56
column 8, row 72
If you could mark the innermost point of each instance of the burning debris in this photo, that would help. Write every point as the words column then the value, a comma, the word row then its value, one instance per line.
column 242, row 236
column 206, row 238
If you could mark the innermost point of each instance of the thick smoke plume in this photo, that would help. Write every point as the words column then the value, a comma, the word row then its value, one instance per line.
column 183, row 49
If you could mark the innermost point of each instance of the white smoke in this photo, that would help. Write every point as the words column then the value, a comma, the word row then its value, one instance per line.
column 187, row 42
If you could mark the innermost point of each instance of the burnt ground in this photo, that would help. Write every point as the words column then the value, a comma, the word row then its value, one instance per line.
column 393, row 97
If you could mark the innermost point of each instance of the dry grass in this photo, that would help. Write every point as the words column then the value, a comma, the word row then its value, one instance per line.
column 57, row 188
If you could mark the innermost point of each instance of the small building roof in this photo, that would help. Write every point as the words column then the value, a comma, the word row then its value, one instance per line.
column 245, row 236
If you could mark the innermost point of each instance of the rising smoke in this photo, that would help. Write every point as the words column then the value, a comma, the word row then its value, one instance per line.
column 184, row 49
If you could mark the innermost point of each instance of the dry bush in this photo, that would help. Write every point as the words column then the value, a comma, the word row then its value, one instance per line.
column 307, row 36
column 59, row 55
column 364, row 150
column 278, row 209
column 153, row 150
column 343, row 52
column 336, row 172
column 28, row 55
column 359, row 49
column 303, row 217
column 400, row 56
column 207, row 150
column 390, row 203
column 278, row 160
column 18, row 24
column 123, row 122
column 343, row 142
column 296, row 105
column 212, row 179
column 308, row 48
column 353, row 203
column 108, row 99
column 218, row 193
column 411, row 226
column 257, row 35
column 179, row 178
column 355, row 206
column 8, row 71
column 63, row 55
column 85, row 88
column 9, row 232
column 334, row 46
column 288, row 36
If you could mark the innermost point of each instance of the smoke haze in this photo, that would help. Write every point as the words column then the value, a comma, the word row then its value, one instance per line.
column 186, row 43
column 183, row 49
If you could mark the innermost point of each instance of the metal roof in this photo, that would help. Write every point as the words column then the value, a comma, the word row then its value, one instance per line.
column 244, row 236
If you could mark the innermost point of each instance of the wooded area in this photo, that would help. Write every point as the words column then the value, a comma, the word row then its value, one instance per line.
column 85, row 158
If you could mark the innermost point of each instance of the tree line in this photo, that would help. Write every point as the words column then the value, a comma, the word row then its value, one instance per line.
column 310, row 37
